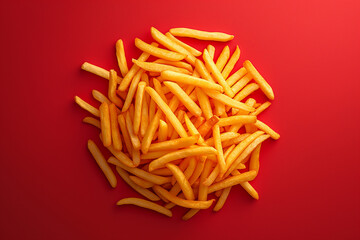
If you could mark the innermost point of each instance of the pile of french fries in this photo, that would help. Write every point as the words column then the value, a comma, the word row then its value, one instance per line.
column 178, row 127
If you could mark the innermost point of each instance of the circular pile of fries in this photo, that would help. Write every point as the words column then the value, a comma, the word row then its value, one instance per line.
column 177, row 127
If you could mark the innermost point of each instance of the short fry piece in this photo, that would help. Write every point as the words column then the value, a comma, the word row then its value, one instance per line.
column 100, row 160
column 207, row 126
column 99, row 96
column 254, row 159
column 264, row 86
column 261, row 108
column 201, row 35
column 121, row 58
column 97, row 71
column 87, row 107
column 220, row 203
column 92, row 121
column 163, row 131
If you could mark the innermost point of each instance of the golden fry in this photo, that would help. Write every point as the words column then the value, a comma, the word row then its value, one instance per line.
column 105, row 124
column 92, row 121
column 201, row 35
column 115, row 132
column 158, row 52
column 223, row 58
column 145, row 204
column 139, row 98
column 231, row 63
column 87, row 107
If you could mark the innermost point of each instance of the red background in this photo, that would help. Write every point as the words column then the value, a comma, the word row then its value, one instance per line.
column 51, row 188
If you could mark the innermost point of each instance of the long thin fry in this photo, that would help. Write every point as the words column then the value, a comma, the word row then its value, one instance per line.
column 229, row 101
column 201, row 35
column 223, row 137
column 160, row 162
column 184, row 98
column 181, row 179
column 236, row 76
column 239, row 119
column 217, row 74
column 174, row 144
column 133, row 137
column 139, row 98
column 247, row 186
column 140, row 173
column 204, row 73
column 150, row 132
column 242, row 83
column 220, row 203
column 246, row 91
column 132, row 90
column 122, row 157
column 172, row 45
column 141, row 182
column 121, row 58
column 207, row 125
column 260, row 109
column 192, row 50
column 105, row 124
column 232, row 181
column 264, row 86
column 231, row 63
column 145, row 204
column 175, row 64
column 143, row 191
column 144, row 115
column 156, row 67
column 158, row 52
column 84, row 105
column 133, row 70
column 223, row 58
column 204, row 103
column 217, row 143
column 254, row 159
column 112, row 89
column 167, row 111
column 186, row 79
column 182, row 202
column 115, row 132
column 125, row 133
column 100, row 160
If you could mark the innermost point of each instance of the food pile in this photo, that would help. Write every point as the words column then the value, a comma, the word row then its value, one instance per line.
column 180, row 127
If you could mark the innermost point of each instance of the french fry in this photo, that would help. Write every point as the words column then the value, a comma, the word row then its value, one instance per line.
column 242, row 83
column 254, row 159
column 122, row 157
column 187, row 173
column 192, row 50
column 86, row 106
column 132, row 90
column 239, row 119
column 150, row 132
column 183, row 182
column 140, row 173
column 198, row 170
column 218, row 147
column 247, row 151
column 235, row 140
column 145, row 204
column 201, row 35
column 152, row 108
column 219, row 107
column 262, row 126
column 183, row 153
column 223, row 137
column 105, row 124
column 136, row 157
column 143, row 191
column 236, row 76
column 247, row 186
column 162, row 172
column 211, row 50
column 182, row 202
column 186, row 79
column 174, row 144
column 175, row 64
column 121, row 58
column 114, row 125
column 232, row 181
column 264, row 86
column 216, row 73
column 231, row 63
column 184, row 98
column 220, row 203
column 203, row 72
column 163, row 131
column 139, row 99
column 141, row 182
column 100, row 160
column 261, row 108
column 92, row 121
column 199, row 121
column 153, row 155
column 204, row 103
column 167, row 111
column 133, row 70
column 156, row 67
column 100, row 97
column 158, row 52
column 133, row 137
column 207, row 125
column 97, row 71
column 229, row 101
column 246, row 91
column 193, row 130
column 125, row 133
column 172, row 45
column 223, row 58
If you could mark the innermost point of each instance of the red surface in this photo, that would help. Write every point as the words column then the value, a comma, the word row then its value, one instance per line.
column 51, row 188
